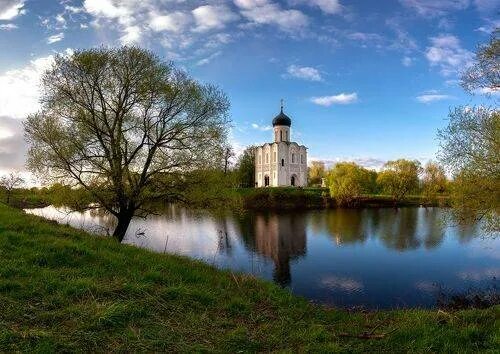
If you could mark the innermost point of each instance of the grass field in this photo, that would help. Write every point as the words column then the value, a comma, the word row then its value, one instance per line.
column 64, row 290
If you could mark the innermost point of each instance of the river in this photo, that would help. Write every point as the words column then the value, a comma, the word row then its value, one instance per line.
column 370, row 258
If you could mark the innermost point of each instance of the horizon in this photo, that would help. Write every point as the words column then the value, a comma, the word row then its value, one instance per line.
column 363, row 82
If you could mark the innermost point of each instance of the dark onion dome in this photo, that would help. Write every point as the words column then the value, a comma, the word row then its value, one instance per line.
column 282, row 119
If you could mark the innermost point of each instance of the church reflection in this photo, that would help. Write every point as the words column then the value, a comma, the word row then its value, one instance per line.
column 279, row 237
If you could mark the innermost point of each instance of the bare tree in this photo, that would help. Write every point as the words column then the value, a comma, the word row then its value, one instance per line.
column 10, row 182
column 116, row 121
column 228, row 155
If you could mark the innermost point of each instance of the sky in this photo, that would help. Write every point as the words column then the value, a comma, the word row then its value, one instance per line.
column 365, row 81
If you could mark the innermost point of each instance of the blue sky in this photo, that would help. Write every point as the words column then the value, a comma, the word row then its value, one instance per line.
column 367, row 81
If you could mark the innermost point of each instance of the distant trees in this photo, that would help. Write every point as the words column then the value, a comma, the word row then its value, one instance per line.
column 9, row 183
column 245, row 168
column 399, row 178
column 434, row 181
column 316, row 173
column 118, row 120
column 347, row 181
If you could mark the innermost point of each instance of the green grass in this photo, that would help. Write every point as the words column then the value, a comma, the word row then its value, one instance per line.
column 64, row 290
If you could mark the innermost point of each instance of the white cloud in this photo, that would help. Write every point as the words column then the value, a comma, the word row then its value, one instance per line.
column 132, row 35
column 434, row 8
column 208, row 59
column 174, row 22
column 330, row 7
column 304, row 72
column 488, row 7
column 446, row 53
column 432, row 96
column 261, row 127
column 343, row 98
column 367, row 162
column 19, row 88
column 10, row 9
column 488, row 91
column 7, row 27
column 55, row 38
column 209, row 17
column 265, row 12
column 407, row 61
column 105, row 8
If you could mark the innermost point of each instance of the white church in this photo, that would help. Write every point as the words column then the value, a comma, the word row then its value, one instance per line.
column 282, row 163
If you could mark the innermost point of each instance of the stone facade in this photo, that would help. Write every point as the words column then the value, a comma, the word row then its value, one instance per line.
column 281, row 163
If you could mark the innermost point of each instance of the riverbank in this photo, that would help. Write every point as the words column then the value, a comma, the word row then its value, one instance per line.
column 64, row 290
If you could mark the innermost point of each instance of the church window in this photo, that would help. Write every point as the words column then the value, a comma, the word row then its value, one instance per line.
column 260, row 159
column 286, row 135
column 281, row 135
column 301, row 158
column 282, row 162
column 293, row 158
column 267, row 158
column 275, row 157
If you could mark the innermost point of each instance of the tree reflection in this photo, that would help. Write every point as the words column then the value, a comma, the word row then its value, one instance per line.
column 398, row 228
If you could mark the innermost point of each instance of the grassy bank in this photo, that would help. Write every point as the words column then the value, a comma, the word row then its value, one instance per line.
column 64, row 290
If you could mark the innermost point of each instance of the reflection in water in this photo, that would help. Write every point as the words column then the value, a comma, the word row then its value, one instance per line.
column 371, row 257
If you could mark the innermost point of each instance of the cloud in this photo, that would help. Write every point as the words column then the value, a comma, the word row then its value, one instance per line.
column 341, row 283
column 304, row 73
column 19, row 88
column 433, row 8
column 210, row 17
column 265, row 12
column 432, row 96
column 12, row 145
column 132, row 35
column 487, row 7
column 343, row 98
column 208, row 59
column 330, row 7
column 174, row 22
column 11, row 8
column 407, row 61
column 55, row 38
column 7, row 27
column 488, row 91
column 367, row 162
column 446, row 53
column 262, row 127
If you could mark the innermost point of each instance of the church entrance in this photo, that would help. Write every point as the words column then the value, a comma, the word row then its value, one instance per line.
column 266, row 181
column 292, row 181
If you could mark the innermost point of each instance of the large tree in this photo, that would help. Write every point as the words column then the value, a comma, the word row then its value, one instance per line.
column 399, row 177
column 245, row 168
column 347, row 181
column 115, row 121
column 434, row 181
column 470, row 148
column 470, row 144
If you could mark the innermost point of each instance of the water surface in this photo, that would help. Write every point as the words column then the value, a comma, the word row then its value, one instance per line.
column 373, row 258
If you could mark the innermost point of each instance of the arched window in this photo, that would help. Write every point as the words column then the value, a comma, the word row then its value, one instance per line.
column 286, row 135
column 281, row 135
column 275, row 157
column 260, row 159
column 267, row 158
column 282, row 162
column 293, row 158
column 301, row 158
column 266, row 181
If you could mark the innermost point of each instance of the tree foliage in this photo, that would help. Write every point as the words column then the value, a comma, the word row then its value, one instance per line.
column 347, row 181
column 113, row 120
column 245, row 168
column 434, row 181
column 470, row 148
column 399, row 178
column 484, row 74
column 316, row 173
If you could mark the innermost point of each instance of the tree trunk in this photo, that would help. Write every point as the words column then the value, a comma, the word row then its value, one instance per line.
column 124, row 219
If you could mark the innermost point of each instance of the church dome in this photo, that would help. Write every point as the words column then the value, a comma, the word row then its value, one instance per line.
column 282, row 119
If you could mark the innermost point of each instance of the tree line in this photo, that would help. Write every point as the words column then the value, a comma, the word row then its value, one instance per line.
column 348, row 181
